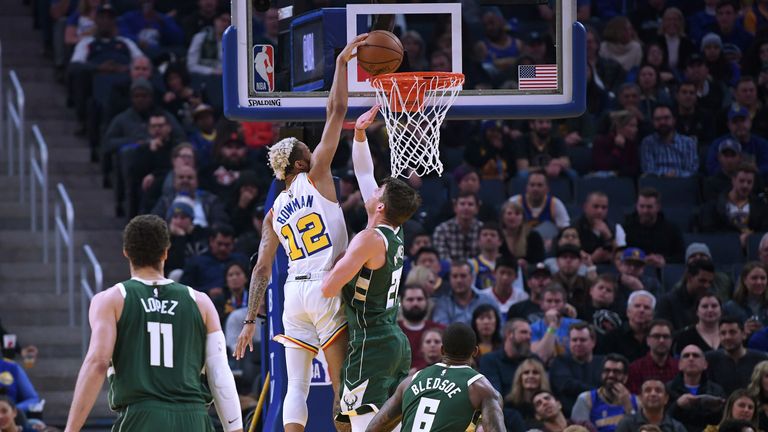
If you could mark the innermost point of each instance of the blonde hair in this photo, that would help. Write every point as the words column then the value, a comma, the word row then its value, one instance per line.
column 280, row 156
column 520, row 247
column 517, row 394
column 755, row 387
column 680, row 16
column 419, row 275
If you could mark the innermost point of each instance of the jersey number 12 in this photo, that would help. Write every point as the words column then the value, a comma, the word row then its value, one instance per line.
column 313, row 237
column 160, row 341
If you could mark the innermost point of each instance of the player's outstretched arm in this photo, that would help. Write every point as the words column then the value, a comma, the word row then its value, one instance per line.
column 221, row 382
column 364, row 246
column 361, row 154
column 391, row 413
column 485, row 398
column 259, row 281
column 336, row 109
column 91, row 377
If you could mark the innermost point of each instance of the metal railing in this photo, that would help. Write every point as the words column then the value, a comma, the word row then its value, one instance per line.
column 87, row 291
column 38, row 176
column 65, row 233
column 15, row 103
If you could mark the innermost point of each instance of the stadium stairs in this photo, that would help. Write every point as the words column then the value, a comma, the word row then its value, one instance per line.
column 29, row 305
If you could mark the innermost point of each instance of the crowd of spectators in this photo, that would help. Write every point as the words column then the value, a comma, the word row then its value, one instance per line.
column 614, row 265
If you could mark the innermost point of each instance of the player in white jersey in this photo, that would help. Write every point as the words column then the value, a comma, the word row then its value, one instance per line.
column 307, row 219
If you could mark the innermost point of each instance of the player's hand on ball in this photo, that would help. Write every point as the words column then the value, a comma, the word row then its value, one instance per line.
column 244, row 340
column 349, row 51
column 367, row 118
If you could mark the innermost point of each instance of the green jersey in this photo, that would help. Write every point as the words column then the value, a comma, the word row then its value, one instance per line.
column 437, row 400
column 160, row 348
column 371, row 296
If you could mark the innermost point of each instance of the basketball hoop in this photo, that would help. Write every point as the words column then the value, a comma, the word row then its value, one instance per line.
column 414, row 105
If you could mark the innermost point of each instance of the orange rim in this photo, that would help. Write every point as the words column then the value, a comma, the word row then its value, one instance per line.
column 407, row 81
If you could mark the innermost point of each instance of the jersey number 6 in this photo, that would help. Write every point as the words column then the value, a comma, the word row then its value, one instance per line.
column 313, row 237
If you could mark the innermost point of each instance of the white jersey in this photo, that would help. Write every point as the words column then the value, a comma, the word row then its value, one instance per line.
column 310, row 227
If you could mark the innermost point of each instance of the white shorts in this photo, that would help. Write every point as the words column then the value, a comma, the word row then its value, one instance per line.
column 310, row 321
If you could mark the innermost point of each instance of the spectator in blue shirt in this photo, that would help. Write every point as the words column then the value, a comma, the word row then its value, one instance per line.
column 549, row 335
column 151, row 30
column 753, row 146
column 728, row 25
column 15, row 383
column 667, row 153
column 206, row 272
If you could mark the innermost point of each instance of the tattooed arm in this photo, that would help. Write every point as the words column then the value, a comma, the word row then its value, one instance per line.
column 259, row 282
column 485, row 398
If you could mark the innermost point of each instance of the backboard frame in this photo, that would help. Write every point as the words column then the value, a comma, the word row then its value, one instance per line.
column 278, row 106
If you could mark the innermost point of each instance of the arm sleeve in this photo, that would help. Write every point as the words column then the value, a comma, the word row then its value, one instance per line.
column 221, row 382
column 581, row 408
column 562, row 219
column 80, row 54
column 363, row 166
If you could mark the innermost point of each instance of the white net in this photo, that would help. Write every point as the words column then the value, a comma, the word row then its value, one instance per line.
column 412, row 120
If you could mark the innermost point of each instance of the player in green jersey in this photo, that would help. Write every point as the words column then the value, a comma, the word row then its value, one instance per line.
column 368, row 278
column 444, row 397
column 152, row 337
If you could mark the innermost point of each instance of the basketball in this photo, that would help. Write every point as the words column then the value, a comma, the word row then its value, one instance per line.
column 382, row 53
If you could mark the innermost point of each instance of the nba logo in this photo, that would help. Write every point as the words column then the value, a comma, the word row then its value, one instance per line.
column 263, row 68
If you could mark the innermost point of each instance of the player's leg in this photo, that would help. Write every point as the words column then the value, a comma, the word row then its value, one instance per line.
column 335, row 353
column 298, row 363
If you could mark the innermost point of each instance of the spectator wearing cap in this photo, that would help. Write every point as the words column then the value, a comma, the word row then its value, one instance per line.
column 484, row 264
column 745, row 95
column 729, row 157
column 629, row 339
column 728, row 25
column 648, row 229
column 667, row 153
column 204, row 55
column 549, row 334
column 603, row 308
column 541, row 148
column 739, row 209
column 102, row 54
column 204, row 134
column 468, row 180
column 230, row 159
column 130, row 130
column 534, row 45
column 595, row 233
column 187, row 239
column 456, row 238
column 722, row 285
column 679, row 305
column 206, row 272
column 692, row 119
column 658, row 363
column 632, row 275
column 578, row 370
column 503, row 292
column 539, row 277
column 617, row 153
column 155, row 32
column 713, row 95
column 693, row 397
column 569, row 259
column 752, row 146
column 492, row 154
column 720, row 68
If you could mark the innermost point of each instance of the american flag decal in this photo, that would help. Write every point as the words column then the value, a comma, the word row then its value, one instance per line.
column 537, row 77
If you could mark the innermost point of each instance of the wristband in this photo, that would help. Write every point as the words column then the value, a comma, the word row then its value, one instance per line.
column 253, row 321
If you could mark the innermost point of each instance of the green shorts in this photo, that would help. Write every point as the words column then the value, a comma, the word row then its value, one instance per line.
column 162, row 416
column 377, row 361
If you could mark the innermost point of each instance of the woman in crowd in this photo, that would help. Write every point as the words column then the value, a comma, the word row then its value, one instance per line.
column 620, row 43
column 486, row 324
column 750, row 299
column 617, row 152
column 431, row 343
column 705, row 333
column 8, row 414
column 530, row 377
column 740, row 406
column 673, row 40
column 519, row 239
column 236, row 292
column 652, row 90
column 758, row 389
column 423, row 277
